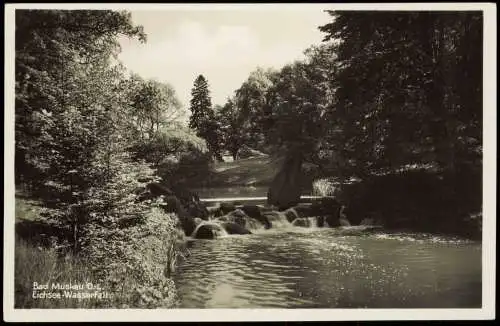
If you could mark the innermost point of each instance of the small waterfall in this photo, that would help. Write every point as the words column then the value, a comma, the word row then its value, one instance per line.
column 216, row 229
column 252, row 224
column 277, row 219
column 313, row 221
column 308, row 222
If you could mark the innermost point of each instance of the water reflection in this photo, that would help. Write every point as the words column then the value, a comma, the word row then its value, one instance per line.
column 307, row 268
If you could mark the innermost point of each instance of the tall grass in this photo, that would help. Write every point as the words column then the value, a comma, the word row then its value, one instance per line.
column 45, row 265
column 323, row 187
column 139, row 278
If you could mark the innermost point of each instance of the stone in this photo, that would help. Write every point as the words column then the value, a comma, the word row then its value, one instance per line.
column 209, row 230
column 291, row 214
column 235, row 228
column 302, row 221
column 255, row 212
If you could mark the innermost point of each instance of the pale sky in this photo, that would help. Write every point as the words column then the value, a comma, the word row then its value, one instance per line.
column 223, row 45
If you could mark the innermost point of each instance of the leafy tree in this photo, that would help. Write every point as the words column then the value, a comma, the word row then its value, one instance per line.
column 398, row 99
column 202, row 117
column 56, row 50
column 296, row 106
column 72, row 122
column 250, row 99
column 155, row 105
column 232, row 130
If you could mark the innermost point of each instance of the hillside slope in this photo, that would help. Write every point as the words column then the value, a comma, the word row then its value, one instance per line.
column 255, row 171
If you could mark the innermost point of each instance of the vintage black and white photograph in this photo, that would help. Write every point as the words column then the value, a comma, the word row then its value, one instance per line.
column 261, row 156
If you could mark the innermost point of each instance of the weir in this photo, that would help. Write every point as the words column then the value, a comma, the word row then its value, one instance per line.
column 248, row 216
column 303, row 199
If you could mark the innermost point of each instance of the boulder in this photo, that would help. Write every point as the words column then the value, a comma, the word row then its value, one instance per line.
column 320, row 221
column 205, row 232
column 237, row 213
column 305, row 211
column 302, row 221
column 255, row 212
column 240, row 217
column 189, row 199
column 184, row 203
column 329, row 209
column 236, row 216
column 235, row 228
column 291, row 214
column 326, row 206
column 208, row 231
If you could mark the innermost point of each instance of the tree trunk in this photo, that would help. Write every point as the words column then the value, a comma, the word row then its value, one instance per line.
column 285, row 189
column 234, row 153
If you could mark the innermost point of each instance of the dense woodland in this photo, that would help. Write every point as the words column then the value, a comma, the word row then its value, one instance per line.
column 393, row 99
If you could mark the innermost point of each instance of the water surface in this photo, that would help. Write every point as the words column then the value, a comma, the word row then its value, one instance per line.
column 322, row 268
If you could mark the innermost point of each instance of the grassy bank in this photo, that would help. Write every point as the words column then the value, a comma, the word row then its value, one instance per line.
column 47, row 266
column 139, row 278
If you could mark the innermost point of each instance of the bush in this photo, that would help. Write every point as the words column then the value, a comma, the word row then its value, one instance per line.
column 137, row 262
column 193, row 167
column 133, row 265
column 419, row 200
column 323, row 187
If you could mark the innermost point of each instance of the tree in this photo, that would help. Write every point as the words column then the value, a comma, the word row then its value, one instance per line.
column 250, row 99
column 72, row 121
column 155, row 105
column 398, row 100
column 55, row 52
column 233, row 133
column 202, row 117
column 296, row 106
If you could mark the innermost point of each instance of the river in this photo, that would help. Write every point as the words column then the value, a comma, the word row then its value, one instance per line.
column 296, row 267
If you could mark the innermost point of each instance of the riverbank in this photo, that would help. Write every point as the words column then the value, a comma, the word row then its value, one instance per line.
column 49, row 275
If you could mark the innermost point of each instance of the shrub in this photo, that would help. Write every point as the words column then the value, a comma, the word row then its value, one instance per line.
column 139, row 262
column 323, row 187
column 134, row 266
column 419, row 200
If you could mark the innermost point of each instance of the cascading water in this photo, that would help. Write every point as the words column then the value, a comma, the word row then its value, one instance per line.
column 278, row 220
column 253, row 225
column 238, row 222
column 313, row 221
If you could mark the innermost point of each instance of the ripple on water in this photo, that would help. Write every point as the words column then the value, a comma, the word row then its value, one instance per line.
column 328, row 270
